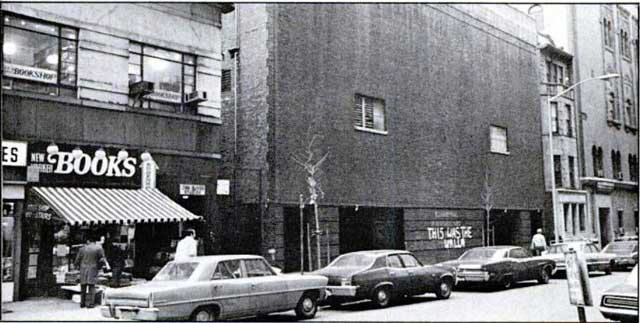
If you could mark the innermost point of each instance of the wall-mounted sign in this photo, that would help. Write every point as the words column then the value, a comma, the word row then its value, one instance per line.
column 63, row 167
column 453, row 237
column 38, row 211
column 30, row 73
column 164, row 96
column 223, row 187
column 14, row 153
column 149, row 174
column 193, row 189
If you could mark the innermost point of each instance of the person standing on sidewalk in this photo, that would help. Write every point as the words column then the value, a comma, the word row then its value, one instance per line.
column 115, row 258
column 538, row 243
column 90, row 259
column 188, row 246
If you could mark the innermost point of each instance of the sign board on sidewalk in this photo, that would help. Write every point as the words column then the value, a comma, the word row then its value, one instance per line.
column 577, row 279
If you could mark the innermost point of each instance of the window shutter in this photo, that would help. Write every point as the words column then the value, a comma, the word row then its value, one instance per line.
column 357, row 112
column 368, row 113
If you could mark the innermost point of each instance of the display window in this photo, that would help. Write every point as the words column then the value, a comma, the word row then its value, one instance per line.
column 8, row 230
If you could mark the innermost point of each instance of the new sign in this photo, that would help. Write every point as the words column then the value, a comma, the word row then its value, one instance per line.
column 14, row 153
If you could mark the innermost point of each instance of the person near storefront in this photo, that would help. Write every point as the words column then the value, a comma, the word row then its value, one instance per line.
column 90, row 259
column 538, row 243
column 115, row 257
column 188, row 246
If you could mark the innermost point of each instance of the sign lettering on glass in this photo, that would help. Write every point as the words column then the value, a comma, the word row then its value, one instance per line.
column 164, row 96
column 453, row 237
column 30, row 73
column 14, row 153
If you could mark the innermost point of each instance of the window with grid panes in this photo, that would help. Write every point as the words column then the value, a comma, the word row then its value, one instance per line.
column 557, row 170
column 369, row 113
column 39, row 56
column 173, row 74
column 569, row 121
column 554, row 117
column 572, row 174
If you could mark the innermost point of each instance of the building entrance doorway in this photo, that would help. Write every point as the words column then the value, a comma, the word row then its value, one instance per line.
column 371, row 228
column 603, row 214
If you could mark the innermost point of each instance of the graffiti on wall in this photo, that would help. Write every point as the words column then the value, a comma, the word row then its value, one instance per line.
column 453, row 237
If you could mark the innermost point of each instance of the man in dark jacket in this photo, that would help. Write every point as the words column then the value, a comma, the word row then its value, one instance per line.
column 90, row 259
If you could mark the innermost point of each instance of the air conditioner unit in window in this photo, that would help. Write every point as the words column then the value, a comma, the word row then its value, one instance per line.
column 141, row 88
column 195, row 97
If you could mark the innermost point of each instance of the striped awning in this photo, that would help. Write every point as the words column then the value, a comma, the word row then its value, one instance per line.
column 82, row 206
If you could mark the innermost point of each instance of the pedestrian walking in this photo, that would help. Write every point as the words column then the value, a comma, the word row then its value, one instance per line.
column 188, row 246
column 90, row 259
column 538, row 243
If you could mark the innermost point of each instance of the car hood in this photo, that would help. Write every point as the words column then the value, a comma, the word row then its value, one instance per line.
column 557, row 257
column 142, row 291
column 623, row 289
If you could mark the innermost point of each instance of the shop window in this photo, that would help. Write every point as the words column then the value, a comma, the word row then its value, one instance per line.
column 498, row 140
column 557, row 170
column 172, row 73
column 370, row 114
column 39, row 56
column 8, row 229
column 554, row 117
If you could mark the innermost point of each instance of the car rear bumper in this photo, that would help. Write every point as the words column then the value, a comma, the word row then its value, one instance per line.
column 130, row 313
column 349, row 291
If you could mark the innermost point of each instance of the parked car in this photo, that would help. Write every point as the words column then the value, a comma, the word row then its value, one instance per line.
column 620, row 303
column 500, row 266
column 596, row 260
column 625, row 251
column 382, row 275
column 211, row 288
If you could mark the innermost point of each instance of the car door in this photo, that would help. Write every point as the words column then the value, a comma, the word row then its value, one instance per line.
column 269, row 292
column 517, row 258
column 398, row 275
column 415, row 271
column 229, row 288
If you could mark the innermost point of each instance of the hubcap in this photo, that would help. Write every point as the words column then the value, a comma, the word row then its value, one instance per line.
column 202, row 316
column 307, row 305
column 444, row 288
column 382, row 296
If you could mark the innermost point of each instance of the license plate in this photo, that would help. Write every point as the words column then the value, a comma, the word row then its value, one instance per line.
column 125, row 314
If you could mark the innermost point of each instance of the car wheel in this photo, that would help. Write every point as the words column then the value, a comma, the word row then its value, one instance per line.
column 506, row 282
column 545, row 274
column 443, row 291
column 307, row 306
column 382, row 296
column 203, row 314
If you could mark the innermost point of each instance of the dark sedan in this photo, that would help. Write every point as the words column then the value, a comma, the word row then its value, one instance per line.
column 501, row 266
column 626, row 253
column 382, row 275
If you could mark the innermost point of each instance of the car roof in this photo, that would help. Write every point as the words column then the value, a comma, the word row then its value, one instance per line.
column 217, row 258
column 497, row 247
column 377, row 252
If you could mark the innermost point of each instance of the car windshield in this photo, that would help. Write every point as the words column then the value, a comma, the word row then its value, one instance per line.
column 353, row 260
column 621, row 247
column 562, row 248
column 482, row 253
column 176, row 271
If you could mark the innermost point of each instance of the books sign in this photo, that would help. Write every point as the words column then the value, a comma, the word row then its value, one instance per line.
column 14, row 153
column 30, row 73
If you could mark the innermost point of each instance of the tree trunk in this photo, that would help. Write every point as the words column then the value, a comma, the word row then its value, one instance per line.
column 318, row 245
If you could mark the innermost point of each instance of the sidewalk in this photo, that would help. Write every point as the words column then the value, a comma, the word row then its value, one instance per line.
column 49, row 309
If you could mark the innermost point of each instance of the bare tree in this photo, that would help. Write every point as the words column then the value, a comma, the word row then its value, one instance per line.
column 307, row 159
column 487, row 203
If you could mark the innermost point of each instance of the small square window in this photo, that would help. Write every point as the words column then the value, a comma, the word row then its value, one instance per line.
column 498, row 137
column 370, row 114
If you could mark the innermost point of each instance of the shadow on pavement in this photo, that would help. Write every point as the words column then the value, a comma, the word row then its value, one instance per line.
column 489, row 289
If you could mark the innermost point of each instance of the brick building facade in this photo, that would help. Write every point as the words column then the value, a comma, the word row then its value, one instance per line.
column 414, row 104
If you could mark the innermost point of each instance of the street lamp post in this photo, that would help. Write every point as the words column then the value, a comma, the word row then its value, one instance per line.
column 551, row 165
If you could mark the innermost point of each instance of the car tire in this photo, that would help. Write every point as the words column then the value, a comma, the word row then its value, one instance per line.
column 545, row 275
column 608, row 269
column 203, row 314
column 381, row 296
column 506, row 282
column 443, row 290
column 307, row 306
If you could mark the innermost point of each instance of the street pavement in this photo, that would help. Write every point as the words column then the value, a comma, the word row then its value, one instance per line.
column 526, row 301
